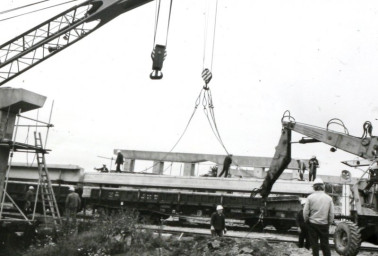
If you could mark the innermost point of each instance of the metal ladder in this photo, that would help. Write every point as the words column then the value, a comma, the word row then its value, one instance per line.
column 49, row 204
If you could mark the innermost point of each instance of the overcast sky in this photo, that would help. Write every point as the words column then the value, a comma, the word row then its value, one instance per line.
column 318, row 59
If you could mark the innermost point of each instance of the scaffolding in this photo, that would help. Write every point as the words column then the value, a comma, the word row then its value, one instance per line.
column 44, row 191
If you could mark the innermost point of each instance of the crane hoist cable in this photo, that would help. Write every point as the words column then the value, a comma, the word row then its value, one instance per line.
column 38, row 10
column 23, row 6
column 207, row 71
column 159, row 50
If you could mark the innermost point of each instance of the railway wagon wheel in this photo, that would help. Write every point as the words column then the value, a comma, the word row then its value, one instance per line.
column 347, row 238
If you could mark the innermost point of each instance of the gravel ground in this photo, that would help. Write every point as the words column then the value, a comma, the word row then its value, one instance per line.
column 197, row 245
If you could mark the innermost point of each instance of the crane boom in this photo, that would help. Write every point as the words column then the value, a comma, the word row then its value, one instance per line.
column 364, row 147
column 47, row 39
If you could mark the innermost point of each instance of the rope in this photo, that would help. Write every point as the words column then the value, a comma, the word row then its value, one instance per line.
column 197, row 102
column 260, row 220
column 157, row 14
column 21, row 7
column 206, row 35
column 48, row 7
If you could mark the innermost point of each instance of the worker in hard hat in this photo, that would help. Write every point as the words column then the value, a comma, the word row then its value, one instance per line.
column 73, row 204
column 218, row 222
column 119, row 161
column 29, row 200
column 303, row 239
column 318, row 213
column 313, row 164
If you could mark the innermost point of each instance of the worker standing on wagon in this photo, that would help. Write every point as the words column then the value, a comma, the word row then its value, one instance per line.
column 318, row 214
column 73, row 204
column 119, row 161
column 313, row 164
column 29, row 199
column 226, row 165
column 301, row 169
column 303, row 239
column 218, row 222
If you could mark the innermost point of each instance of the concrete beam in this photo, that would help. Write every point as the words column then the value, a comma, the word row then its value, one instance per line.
column 15, row 99
column 12, row 101
column 246, row 161
column 195, row 183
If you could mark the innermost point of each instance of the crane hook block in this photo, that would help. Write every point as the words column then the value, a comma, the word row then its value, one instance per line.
column 158, row 56
column 207, row 75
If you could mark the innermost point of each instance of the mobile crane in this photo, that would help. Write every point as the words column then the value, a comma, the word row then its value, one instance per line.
column 361, row 224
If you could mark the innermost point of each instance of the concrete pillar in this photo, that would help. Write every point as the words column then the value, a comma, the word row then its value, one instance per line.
column 129, row 165
column 158, row 167
column 259, row 172
column 189, row 169
column 13, row 101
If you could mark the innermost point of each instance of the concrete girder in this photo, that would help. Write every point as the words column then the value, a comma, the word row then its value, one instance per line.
column 246, row 161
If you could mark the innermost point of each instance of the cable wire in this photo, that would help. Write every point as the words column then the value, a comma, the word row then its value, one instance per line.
column 21, row 7
column 45, row 8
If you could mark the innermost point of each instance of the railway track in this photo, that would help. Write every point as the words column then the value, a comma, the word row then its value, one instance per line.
column 269, row 235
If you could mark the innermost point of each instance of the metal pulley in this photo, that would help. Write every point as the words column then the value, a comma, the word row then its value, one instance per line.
column 158, row 56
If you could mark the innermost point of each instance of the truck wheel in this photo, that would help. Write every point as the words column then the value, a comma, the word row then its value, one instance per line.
column 347, row 238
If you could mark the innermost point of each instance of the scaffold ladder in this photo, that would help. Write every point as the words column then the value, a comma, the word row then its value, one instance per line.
column 49, row 204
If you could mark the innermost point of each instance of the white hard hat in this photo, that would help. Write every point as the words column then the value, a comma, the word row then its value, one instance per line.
column 118, row 151
column 318, row 181
column 71, row 189
column 303, row 201
column 219, row 207
column 31, row 187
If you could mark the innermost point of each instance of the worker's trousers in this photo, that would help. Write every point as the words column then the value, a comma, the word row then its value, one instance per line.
column 312, row 175
column 71, row 217
column 303, row 239
column 217, row 232
column 225, row 171
column 319, row 232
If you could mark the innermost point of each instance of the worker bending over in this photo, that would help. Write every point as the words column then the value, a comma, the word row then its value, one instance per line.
column 318, row 214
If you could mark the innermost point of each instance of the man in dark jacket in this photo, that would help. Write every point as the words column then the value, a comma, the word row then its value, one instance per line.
column 226, row 165
column 302, row 228
column 73, row 204
column 119, row 161
column 313, row 164
column 29, row 199
column 217, row 222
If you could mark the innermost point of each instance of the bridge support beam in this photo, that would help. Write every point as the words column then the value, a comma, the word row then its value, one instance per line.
column 13, row 101
column 189, row 169
column 158, row 167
